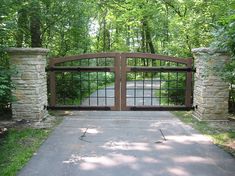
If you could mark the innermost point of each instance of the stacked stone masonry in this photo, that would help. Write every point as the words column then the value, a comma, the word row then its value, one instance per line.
column 30, row 83
column 211, row 93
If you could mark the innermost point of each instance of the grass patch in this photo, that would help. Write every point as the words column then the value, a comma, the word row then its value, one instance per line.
column 222, row 133
column 17, row 147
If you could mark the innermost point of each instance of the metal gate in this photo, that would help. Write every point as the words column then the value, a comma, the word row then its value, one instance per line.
column 120, row 81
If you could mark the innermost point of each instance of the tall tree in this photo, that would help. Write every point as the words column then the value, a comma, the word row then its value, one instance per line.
column 35, row 23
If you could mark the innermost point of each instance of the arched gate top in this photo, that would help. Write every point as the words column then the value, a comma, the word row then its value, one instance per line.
column 58, row 60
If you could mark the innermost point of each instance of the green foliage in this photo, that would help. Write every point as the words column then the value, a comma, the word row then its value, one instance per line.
column 70, row 27
column 5, row 83
column 225, row 40
column 5, row 87
column 73, row 27
column 72, row 88
column 17, row 147
column 222, row 135
column 174, row 89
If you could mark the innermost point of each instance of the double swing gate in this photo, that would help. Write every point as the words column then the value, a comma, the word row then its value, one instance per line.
column 120, row 81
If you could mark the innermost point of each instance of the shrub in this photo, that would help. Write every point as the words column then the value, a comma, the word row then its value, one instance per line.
column 5, row 88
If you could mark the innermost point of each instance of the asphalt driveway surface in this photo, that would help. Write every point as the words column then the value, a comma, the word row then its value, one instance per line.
column 127, row 144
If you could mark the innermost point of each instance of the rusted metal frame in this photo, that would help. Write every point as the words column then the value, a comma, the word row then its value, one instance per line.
column 52, row 85
column 159, row 108
column 83, row 56
column 123, row 81
column 188, row 92
column 158, row 69
column 81, row 69
column 156, row 56
column 87, row 108
column 117, row 91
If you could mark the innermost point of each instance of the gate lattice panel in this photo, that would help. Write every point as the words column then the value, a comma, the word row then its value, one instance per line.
column 120, row 81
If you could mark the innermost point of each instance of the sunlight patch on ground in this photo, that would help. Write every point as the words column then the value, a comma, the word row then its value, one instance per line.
column 189, row 139
column 125, row 145
column 193, row 159
column 177, row 171
column 90, row 130
column 114, row 159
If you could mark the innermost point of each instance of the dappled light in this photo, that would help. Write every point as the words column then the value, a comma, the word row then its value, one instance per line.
column 142, row 154
column 178, row 171
column 163, row 147
column 91, row 130
column 190, row 139
column 150, row 160
column 133, row 148
column 125, row 145
column 124, row 61
column 193, row 159
column 130, row 143
column 111, row 160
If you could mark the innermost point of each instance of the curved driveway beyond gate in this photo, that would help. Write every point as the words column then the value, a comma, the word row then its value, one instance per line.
column 144, row 91
column 109, row 143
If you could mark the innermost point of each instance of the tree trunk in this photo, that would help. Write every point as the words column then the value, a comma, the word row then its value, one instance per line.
column 165, row 40
column 104, row 34
column 22, row 27
column 35, row 25
column 149, row 41
column 143, row 38
column 128, row 39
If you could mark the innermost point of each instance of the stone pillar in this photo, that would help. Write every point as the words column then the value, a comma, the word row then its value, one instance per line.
column 30, row 83
column 211, row 93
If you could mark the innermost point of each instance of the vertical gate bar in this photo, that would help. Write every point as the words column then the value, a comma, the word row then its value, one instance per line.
column 188, row 99
column 123, row 81
column 72, row 82
column 105, row 83
column 152, row 88
column 80, row 84
column 143, row 86
column 160, row 86
column 97, row 88
column 135, row 82
column 52, row 85
column 117, row 90
column 177, row 83
column 64, row 98
column 89, row 86
column 168, row 87
column 152, row 74
column 97, row 83
column 72, row 85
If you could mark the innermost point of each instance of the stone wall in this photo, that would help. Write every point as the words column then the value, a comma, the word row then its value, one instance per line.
column 30, row 83
column 211, row 93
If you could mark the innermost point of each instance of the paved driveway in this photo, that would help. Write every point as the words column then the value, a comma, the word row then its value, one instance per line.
column 127, row 144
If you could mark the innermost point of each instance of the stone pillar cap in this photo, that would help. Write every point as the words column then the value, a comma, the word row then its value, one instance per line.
column 27, row 50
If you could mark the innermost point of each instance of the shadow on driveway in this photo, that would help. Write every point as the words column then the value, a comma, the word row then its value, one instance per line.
column 126, row 144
